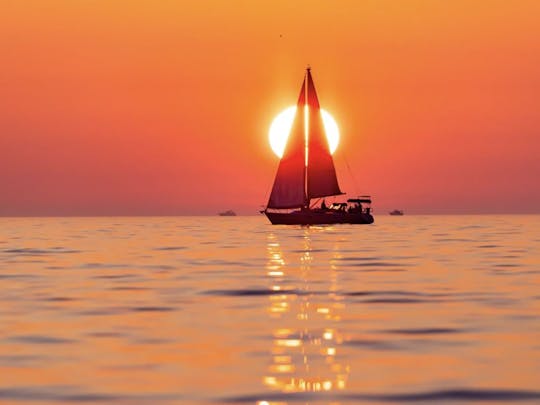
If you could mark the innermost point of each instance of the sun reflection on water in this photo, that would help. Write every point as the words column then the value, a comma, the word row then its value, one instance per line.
column 305, row 354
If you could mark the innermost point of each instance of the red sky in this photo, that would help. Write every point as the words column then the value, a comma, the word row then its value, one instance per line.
column 163, row 107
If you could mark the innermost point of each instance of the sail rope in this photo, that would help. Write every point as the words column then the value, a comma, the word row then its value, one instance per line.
column 355, row 182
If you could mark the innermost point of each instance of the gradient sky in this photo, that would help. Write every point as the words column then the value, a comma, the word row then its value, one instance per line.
column 163, row 107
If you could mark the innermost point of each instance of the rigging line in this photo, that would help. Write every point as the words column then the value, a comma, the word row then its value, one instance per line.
column 268, row 202
column 355, row 182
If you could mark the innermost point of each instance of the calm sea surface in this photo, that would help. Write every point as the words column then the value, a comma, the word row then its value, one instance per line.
column 232, row 310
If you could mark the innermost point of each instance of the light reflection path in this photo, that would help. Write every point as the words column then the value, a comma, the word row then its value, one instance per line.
column 305, row 319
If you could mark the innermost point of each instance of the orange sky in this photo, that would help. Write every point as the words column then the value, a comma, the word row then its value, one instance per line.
column 163, row 107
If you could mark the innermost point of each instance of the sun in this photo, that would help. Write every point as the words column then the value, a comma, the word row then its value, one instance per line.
column 281, row 127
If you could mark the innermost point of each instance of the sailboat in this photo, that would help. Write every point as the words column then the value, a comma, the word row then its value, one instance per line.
column 306, row 172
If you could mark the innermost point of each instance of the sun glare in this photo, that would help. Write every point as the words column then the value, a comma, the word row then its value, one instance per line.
column 281, row 127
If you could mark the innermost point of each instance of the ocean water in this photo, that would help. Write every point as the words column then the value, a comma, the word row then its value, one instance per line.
column 232, row 310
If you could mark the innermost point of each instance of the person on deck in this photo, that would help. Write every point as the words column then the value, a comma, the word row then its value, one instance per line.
column 323, row 205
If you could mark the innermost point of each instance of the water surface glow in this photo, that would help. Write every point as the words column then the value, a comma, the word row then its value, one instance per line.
column 234, row 310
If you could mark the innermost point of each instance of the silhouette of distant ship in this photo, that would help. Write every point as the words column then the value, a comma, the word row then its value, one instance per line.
column 396, row 212
column 228, row 213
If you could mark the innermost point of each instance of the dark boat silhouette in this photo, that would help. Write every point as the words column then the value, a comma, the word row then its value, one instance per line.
column 228, row 213
column 396, row 212
column 299, row 180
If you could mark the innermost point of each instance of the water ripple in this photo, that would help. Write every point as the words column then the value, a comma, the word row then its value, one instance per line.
column 395, row 301
column 423, row 331
column 71, row 394
column 40, row 339
column 152, row 309
column 251, row 292
column 393, row 292
column 459, row 394
column 373, row 344
column 58, row 299
column 38, row 252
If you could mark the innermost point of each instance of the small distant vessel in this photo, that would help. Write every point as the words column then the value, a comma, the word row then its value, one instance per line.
column 306, row 172
column 228, row 213
column 396, row 212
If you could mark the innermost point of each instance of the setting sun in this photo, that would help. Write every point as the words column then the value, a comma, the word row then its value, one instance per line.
column 281, row 127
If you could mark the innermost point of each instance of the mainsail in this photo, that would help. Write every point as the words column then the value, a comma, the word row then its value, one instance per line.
column 289, row 190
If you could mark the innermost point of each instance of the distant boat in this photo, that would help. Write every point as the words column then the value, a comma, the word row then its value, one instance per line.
column 299, row 180
column 228, row 213
column 396, row 212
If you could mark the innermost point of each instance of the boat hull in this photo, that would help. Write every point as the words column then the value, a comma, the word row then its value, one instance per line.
column 318, row 218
